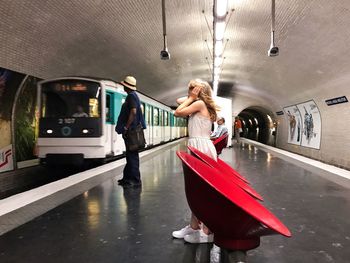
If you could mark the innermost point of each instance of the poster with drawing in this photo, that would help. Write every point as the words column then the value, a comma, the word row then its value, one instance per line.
column 18, row 109
column 311, row 120
column 6, row 160
column 294, row 124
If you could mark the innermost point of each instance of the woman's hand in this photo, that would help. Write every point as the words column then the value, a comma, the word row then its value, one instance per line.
column 191, row 104
column 193, row 94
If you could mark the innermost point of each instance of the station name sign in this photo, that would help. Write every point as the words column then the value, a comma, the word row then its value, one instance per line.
column 337, row 100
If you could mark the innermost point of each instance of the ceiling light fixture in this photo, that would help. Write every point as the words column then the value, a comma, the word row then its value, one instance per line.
column 216, row 71
column 219, row 30
column 219, row 46
column 218, row 61
column 220, row 13
column 220, row 8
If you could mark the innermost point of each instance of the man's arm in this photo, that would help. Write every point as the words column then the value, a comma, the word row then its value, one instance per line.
column 215, row 134
column 131, row 118
column 130, row 99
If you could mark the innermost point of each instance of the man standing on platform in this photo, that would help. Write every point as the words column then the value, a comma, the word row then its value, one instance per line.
column 130, row 116
column 238, row 129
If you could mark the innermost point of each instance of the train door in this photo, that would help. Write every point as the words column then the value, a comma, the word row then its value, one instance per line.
column 180, row 127
column 183, row 128
column 166, row 126
column 174, row 131
column 171, row 124
column 113, row 107
column 145, row 112
column 109, row 109
column 151, row 127
column 108, row 124
column 176, row 128
column 156, row 129
column 119, row 143
column 161, row 125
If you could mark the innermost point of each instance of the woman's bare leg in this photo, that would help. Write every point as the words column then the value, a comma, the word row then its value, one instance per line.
column 195, row 223
column 206, row 230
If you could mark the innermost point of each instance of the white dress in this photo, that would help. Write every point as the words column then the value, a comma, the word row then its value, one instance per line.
column 199, row 129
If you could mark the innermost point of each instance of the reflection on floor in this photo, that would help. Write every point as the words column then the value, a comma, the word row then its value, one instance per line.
column 112, row 224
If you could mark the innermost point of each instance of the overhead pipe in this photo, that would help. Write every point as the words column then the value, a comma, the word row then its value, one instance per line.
column 273, row 51
column 164, row 54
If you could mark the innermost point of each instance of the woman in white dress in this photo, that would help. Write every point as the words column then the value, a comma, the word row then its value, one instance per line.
column 201, row 109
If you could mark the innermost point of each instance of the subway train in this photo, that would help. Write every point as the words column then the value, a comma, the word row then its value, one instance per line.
column 78, row 115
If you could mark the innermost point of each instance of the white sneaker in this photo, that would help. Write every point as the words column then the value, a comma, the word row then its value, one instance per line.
column 199, row 237
column 215, row 254
column 187, row 230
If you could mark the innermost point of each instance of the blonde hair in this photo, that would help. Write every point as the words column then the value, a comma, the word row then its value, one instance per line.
column 205, row 96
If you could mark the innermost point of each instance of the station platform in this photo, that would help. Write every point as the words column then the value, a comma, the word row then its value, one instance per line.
column 88, row 217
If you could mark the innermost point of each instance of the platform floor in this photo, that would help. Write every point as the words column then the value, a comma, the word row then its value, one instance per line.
column 112, row 224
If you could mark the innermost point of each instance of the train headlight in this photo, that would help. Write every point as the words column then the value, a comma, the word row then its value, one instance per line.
column 49, row 131
column 87, row 131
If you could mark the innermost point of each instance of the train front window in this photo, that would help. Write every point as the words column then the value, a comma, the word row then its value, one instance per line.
column 71, row 98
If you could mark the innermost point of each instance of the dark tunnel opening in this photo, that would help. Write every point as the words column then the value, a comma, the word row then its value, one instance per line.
column 258, row 125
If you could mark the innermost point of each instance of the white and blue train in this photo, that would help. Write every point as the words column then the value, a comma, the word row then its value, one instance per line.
column 78, row 116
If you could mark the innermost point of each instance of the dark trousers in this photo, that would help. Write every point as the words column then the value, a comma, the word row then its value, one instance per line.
column 132, row 168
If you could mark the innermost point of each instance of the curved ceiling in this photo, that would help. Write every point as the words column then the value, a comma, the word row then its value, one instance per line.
column 111, row 39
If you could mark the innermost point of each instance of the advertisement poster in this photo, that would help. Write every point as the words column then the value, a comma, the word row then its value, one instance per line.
column 311, row 119
column 294, row 124
column 6, row 161
column 26, row 121
column 9, row 84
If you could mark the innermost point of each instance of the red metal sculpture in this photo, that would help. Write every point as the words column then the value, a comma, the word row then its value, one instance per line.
column 220, row 143
column 205, row 158
column 219, row 164
column 236, row 219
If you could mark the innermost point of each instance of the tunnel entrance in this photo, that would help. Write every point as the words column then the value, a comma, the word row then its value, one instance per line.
column 259, row 125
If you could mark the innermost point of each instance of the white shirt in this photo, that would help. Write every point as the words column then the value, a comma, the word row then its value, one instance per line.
column 220, row 130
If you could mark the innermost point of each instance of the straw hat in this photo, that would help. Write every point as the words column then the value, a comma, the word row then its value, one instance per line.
column 129, row 82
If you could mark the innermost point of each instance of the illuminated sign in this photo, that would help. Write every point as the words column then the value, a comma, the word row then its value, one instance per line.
column 70, row 87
